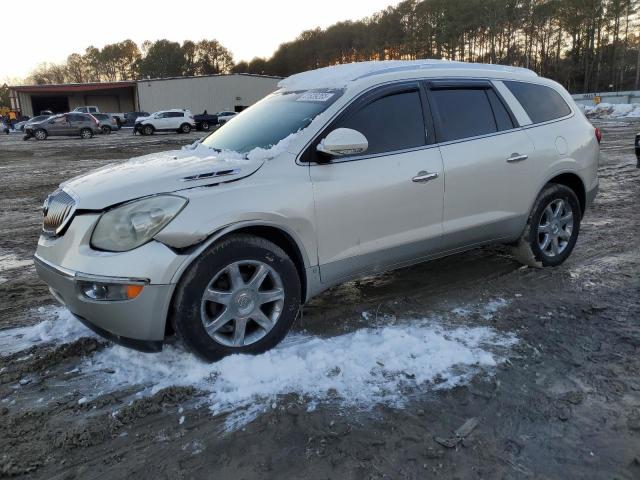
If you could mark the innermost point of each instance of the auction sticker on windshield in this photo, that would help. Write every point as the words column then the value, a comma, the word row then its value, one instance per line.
column 315, row 97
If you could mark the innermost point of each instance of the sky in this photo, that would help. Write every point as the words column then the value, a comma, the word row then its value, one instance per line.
column 53, row 30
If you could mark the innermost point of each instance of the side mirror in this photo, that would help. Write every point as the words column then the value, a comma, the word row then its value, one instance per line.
column 343, row 141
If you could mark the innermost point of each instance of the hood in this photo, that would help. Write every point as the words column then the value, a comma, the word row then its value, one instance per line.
column 142, row 119
column 162, row 172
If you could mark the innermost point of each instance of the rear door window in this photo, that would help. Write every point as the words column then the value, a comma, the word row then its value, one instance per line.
column 392, row 122
column 469, row 112
column 540, row 102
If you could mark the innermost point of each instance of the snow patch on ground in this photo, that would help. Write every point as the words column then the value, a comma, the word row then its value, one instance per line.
column 359, row 369
column 59, row 327
column 612, row 110
column 10, row 261
column 377, row 365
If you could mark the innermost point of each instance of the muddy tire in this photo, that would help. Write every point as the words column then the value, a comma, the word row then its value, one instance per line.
column 240, row 296
column 40, row 134
column 147, row 130
column 552, row 228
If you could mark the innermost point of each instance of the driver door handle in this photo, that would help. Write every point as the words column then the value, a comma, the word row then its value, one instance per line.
column 424, row 176
column 516, row 157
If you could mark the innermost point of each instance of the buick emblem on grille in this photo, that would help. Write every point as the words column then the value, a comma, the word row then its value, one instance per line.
column 58, row 211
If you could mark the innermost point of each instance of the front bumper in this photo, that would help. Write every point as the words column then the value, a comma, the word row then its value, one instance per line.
column 137, row 323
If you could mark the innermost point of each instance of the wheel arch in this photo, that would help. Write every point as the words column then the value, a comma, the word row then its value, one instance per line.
column 273, row 233
column 575, row 183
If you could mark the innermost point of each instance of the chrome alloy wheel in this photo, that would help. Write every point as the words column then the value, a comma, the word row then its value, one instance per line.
column 242, row 303
column 555, row 227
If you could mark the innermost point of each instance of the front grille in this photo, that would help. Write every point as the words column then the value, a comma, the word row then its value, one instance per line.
column 58, row 209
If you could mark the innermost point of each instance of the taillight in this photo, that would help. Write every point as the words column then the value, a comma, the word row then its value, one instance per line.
column 598, row 135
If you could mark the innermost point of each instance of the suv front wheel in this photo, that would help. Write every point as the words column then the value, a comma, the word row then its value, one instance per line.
column 184, row 128
column 552, row 229
column 240, row 296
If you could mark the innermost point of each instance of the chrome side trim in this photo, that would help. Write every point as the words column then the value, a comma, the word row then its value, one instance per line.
column 87, row 277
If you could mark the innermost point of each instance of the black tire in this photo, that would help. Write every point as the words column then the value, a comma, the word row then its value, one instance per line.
column 185, row 315
column 185, row 128
column 528, row 249
column 86, row 133
column 147, row 130
column 205, row 126
column 106, row 130
column 40, row 134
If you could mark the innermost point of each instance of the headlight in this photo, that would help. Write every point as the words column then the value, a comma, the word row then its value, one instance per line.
column 135, row 223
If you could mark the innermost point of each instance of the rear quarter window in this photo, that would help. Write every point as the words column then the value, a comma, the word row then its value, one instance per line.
column 540, row 102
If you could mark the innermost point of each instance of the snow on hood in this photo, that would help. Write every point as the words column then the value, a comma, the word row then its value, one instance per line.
column 163, row 172
column 338, row 76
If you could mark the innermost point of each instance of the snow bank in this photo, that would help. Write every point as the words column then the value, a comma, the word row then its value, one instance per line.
column 59, row 326
column 367, row 367
column 379, row 365
column 612, row 110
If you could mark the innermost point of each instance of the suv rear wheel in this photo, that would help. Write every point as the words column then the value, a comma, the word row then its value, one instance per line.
column 552, row 229
column 86, row 133
column 240, row 296
column 185, row 128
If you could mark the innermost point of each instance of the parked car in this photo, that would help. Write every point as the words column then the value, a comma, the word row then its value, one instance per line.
column 343, row 172
column 94, row 109
column 130, row 118
column 175, row 120
column 21, row 125
column 205, row 121
column 66, row 124
column 107, row 122
column 225, row 116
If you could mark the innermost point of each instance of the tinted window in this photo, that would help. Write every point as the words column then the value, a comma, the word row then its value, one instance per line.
column 101, row 116
column 175, row 114
column 393, row 122
column 464, row 113
column 541, row 103
column 503, row 119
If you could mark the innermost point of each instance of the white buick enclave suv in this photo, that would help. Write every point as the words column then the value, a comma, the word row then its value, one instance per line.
column 342, row 172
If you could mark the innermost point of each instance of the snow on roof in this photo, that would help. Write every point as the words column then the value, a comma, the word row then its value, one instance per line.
column 338, row 76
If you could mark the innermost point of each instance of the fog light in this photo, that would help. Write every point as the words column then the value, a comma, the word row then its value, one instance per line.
column 109, row 291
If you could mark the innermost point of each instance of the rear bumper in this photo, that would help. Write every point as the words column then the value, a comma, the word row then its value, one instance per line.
column 138, row 323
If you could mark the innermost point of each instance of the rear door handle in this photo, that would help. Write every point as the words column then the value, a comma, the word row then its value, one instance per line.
column 516, row 157
column 424, row 176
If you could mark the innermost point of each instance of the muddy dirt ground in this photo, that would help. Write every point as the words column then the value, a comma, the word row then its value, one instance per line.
column 563, row 403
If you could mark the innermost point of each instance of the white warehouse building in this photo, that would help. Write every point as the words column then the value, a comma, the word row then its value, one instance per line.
column 213, row 93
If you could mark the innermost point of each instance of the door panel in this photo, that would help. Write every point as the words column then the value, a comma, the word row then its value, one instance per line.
column 484, row 199
column 370, row 214
column 58, row 127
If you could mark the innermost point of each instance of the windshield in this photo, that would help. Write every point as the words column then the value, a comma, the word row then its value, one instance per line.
column 271, row 119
